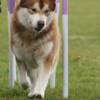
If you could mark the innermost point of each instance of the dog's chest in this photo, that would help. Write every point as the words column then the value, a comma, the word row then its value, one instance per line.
column 35, row 50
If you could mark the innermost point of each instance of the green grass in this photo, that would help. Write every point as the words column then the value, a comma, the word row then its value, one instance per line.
column 84, row 55
column 84, row 50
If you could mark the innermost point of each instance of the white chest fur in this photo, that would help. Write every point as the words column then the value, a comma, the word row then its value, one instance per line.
column 38, row 49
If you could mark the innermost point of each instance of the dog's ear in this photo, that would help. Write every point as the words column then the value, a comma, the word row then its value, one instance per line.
column 17, row 2
column 20, row 3
column 52, row 4
column 26, row 3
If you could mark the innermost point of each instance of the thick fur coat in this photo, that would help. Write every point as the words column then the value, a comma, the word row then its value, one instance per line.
column 35, row 42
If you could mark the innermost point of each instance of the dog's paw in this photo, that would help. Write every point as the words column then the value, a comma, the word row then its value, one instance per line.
column 35, row 97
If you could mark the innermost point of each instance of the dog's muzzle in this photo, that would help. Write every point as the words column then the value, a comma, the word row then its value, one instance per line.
column 40, row 25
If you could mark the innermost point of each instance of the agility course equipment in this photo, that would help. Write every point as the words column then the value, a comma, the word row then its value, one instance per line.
column 12, row 62
column 53, row 76
column 65, row 47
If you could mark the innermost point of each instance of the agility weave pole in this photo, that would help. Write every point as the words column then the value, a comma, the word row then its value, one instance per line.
column 65, row 47
column 53, row 76
column 12, row 62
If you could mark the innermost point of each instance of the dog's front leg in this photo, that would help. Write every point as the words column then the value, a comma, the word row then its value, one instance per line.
column 41, row 83
column 32, row 73
column 22, row 75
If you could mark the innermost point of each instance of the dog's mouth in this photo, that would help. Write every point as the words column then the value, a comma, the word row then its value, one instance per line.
column 38, row 29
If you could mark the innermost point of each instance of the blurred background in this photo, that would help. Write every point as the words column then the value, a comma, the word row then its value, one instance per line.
column 84, row 55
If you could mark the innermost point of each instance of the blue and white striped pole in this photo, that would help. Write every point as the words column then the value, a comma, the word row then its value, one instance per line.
column 12, row 62
column 65, row 45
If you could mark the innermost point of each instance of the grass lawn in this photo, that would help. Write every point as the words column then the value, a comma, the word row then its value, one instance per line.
column 84, row 50
column 84, row 55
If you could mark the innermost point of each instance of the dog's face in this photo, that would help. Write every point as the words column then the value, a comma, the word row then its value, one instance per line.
column 36, row 14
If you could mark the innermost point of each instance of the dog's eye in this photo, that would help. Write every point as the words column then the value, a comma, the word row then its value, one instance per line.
column 34, row 10
column 47, row 12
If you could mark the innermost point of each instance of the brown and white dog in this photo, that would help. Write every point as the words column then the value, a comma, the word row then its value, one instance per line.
column 35, row 41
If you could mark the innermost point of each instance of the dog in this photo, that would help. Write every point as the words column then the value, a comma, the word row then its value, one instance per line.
column 35, row 42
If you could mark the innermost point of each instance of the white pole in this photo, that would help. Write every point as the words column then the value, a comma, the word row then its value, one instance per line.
column 65, row 45
column 53, row 76
column 12, row 62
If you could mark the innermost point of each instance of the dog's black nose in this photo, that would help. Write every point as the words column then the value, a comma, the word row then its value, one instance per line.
column 40, row 25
